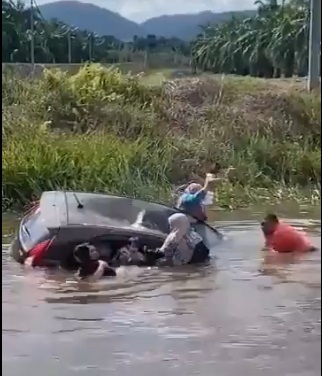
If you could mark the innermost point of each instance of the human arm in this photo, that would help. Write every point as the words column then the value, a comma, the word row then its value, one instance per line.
column 103, row 270
column 108, row 270
column 196, row 180
column 216, row 178
column 168, row 249
column 196, row 198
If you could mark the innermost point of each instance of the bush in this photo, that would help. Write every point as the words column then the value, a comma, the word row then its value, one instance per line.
column 99, row 130
column 42, row 161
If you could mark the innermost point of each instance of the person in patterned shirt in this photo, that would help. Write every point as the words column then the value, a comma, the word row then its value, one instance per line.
column 183, row 245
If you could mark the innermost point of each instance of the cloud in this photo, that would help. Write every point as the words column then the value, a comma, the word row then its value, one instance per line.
column 140, row 10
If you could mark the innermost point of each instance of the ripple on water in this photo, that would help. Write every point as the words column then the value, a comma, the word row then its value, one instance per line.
column 241, row 315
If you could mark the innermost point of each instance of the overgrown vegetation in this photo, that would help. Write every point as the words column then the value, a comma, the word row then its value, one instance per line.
column 272, row 43
column 99, row 130
column 56, row 42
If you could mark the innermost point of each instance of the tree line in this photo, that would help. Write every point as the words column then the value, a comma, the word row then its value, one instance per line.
column 271, row 43
column 56, row 42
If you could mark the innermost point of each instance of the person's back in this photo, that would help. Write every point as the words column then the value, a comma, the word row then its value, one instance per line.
column 282, row 238
column 183, row 245
column 288, row 239
column 191, row 201
column 195, row 196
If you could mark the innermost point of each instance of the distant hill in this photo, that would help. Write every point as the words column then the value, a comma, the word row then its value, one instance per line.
column 93, row 18
column 186, row 26
column 104, row 22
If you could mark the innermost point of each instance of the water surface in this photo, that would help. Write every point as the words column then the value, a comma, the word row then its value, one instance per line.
column 246, row 314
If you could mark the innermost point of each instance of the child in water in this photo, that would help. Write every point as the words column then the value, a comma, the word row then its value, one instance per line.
column 282, row 238
column 86, row 256
column 91, row 268
column 130, row 254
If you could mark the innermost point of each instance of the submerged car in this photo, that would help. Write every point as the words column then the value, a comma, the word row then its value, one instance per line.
column 61, row 220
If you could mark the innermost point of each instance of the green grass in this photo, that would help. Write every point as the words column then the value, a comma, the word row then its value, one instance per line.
column 93, row 162
column 99, row 130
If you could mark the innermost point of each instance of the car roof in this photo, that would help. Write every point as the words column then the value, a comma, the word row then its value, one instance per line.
column 112, row 214
column 61, row 208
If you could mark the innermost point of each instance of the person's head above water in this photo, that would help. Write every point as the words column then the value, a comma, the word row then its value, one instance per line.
column 282, row 237
column 84, row 253
column 179, row 223
column 269, row 224
column 180, row 245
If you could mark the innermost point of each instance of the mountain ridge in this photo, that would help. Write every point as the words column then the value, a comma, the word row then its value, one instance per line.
column 102, row 21
column 187, row 26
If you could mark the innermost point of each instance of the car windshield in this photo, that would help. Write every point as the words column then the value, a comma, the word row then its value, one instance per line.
column 33, row 230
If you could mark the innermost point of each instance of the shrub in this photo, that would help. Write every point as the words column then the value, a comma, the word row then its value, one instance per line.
column 103, row 131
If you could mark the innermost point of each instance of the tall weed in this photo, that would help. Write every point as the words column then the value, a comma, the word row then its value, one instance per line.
column 99, row 130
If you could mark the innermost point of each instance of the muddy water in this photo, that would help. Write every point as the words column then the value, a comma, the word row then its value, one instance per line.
column 246, row 314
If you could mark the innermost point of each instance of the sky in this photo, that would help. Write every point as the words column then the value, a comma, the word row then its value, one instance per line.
column 140, row 10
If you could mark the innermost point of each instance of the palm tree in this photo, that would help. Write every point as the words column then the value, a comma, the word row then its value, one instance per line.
column 271, row 43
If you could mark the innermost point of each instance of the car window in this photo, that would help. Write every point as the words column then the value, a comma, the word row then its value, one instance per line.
column 33, row 229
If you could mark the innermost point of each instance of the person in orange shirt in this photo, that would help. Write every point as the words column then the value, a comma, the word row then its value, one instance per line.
column 283, row 238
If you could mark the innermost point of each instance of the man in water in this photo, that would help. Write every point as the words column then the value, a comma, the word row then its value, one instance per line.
column 282, row 238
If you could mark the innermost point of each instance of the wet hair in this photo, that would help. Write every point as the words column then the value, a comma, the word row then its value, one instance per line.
column 271, row 218
column 83, row 253
column 269, row 224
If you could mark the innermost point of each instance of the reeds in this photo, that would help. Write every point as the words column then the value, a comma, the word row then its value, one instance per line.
column 99, row 130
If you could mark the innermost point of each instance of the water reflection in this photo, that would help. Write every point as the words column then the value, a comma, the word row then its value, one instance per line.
column 246, row 313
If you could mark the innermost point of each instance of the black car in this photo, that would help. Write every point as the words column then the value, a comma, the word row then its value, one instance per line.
column 61, row 220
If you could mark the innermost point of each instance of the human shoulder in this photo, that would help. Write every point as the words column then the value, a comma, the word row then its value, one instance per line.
column 290, row 231
column 187, row 198
column 286, row 238
column 194, row 238
column 193, row 197
column 284, row 228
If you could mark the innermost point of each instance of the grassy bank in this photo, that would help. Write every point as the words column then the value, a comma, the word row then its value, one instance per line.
column 99, row 130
